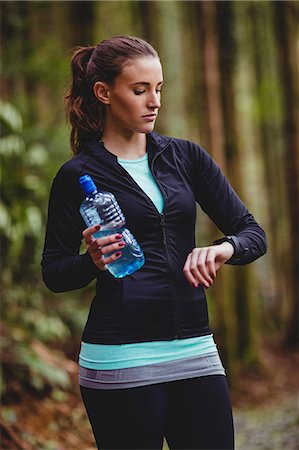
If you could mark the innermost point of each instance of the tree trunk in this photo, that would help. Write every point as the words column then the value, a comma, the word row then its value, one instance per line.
column 287, row 38
column 244, row 338
column 173, row 117
column 115, row 18
column 269, row 136
column 214, row 141
column 212, row 82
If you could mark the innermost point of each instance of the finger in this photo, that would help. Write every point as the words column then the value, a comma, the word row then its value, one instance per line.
column 186, row 269
column 218, row 265
column 88, row 233
column 101, row 262
column 198, row 267
column 98, row 259
column 93, row 247
column 112, row 247
column 210, row 263
column 111, row 258
column 95, row 254
column 111, row 239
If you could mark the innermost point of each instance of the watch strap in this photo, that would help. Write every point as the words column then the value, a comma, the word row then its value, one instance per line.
column 238, row 250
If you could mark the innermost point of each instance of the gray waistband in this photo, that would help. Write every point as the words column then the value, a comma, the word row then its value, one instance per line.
column 209, row 364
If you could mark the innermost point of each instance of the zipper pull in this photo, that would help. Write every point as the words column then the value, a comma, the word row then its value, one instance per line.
column 162, row 220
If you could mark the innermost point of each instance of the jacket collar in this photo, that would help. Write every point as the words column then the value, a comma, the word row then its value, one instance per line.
column 155, row 144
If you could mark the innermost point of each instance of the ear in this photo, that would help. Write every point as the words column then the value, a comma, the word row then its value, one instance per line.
column 101, row 91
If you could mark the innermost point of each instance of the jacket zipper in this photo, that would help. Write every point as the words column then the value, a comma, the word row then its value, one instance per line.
column 163, row 226
column 176, row 309
column 162, row 223
column 162, row 215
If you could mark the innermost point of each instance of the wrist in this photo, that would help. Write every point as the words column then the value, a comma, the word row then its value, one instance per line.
column 232, row 241
column 227, row 249
column 239, row 249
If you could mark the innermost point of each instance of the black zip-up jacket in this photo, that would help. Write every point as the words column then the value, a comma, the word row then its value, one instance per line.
column 156, row 302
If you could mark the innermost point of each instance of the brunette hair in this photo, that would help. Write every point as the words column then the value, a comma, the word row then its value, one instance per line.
column 103, row 62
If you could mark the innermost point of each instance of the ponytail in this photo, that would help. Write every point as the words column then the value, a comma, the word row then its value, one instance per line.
column 83, row 110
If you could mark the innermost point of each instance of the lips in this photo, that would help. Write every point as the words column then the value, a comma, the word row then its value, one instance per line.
column 150, row 116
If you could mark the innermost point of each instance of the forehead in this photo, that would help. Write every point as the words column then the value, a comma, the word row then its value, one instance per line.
column 147, row 69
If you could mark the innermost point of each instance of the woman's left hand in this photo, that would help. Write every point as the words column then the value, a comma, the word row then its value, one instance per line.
column 202, row 263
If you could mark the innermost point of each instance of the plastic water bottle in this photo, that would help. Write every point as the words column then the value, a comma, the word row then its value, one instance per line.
column 102, row 208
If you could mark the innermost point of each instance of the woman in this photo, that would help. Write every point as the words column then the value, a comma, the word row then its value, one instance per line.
column 148, row 365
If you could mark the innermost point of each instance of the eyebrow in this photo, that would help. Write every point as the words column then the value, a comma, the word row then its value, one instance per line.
column 146, row 83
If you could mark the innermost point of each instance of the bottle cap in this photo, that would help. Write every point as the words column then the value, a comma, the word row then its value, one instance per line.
column 87, row 184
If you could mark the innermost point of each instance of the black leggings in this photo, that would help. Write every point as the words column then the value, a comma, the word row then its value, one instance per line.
column 192, row 414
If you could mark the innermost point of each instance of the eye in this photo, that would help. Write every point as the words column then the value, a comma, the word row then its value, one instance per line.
column 159, row 91
column 136, row 92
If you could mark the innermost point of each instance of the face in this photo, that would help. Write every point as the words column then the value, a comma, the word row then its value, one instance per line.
column 133, row 101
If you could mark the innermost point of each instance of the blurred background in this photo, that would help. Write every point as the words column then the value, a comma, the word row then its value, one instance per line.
column 231, row 85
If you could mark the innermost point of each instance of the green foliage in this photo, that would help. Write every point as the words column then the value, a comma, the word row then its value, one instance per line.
column 28, row 316
column 41, row 372
column 23, row 190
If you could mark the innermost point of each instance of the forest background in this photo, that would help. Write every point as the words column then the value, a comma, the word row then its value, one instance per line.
column 231, row 84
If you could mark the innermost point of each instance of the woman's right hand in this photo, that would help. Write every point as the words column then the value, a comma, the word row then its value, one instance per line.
column 99, row 247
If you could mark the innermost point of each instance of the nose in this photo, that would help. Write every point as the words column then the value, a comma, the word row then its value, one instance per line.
column 154, row 101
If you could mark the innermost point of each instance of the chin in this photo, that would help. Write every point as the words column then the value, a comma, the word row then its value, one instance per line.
column 148, row 128
column 144, row 128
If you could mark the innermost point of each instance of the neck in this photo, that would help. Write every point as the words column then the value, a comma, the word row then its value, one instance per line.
column 131, row 146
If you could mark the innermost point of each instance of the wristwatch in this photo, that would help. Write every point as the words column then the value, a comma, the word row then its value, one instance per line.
column 231, row 239
column 238, row 250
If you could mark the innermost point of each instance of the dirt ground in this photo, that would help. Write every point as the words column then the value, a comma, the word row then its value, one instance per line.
column 266, row 403
column 266, row 412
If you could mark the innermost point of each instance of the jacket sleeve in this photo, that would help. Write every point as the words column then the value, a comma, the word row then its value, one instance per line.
column 63, row 268
column 218, row 199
